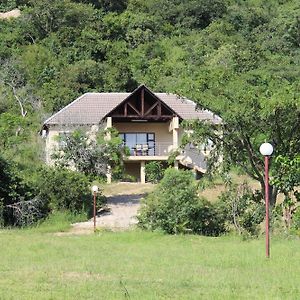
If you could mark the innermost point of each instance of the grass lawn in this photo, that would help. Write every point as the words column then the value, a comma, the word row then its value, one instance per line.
column 126, row 188
column 142, row 265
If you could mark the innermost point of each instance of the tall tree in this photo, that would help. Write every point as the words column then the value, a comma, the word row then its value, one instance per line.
column 254, row 107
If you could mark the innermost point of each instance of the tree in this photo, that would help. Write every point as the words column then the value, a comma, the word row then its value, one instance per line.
column 11, row 133
column 183, row 15
column 12, row 77
column 287, row 179
column 45, row 18
column 254, row 107
column 174, row 207
column 7, row 5
column 92, row 152
column 154, row 171
column 15, row 196
column 64, row 189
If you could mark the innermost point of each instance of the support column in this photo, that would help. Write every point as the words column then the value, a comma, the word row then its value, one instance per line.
column 108, row 174
column 108, row 125
column 176, row 164
column 108, row 137
column 143, row 174
column 109, row 122
column 175, row 129
column 195, row 173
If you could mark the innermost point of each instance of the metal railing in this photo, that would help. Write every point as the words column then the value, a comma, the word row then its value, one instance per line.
column 150, row 149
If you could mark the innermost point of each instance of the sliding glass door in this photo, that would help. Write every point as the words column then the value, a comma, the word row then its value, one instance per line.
column 139, row 143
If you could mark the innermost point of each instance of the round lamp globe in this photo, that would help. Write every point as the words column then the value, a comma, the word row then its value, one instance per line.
column 266, row 149
column 95, row 188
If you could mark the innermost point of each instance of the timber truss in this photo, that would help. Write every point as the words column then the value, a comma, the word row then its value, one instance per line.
column 142, row 104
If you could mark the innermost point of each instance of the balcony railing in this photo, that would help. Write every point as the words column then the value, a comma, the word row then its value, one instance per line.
column 150, row 149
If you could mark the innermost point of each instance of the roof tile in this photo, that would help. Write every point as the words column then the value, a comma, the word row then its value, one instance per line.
column 91, row 108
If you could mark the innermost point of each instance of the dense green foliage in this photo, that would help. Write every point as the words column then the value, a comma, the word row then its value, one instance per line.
column 92, row 152
column 154, row 171
column 56, row 190
column 174, row 207
column 242, row 209
column 12, row 190
column 287, row 179
column 237, row 58
column 249, row 76
column 64, row 189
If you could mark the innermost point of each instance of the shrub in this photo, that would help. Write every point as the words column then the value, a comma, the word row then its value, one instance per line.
column 91, row 152
column 242, row 208
column 15, row 196
column 296, row 221
column 154, row 171
column 174, row 207
column 65, row 190
column 27, row 212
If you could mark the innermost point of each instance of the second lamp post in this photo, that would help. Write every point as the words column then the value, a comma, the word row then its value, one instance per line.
column 266, row 150
column 95, row 191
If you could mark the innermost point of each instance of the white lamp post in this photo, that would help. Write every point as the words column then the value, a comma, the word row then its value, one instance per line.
column 95, row 191
column 266, row 149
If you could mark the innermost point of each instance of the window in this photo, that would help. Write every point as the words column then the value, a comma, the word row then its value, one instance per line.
column 139, row 143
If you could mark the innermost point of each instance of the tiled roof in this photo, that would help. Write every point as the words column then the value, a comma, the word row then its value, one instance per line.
column 91, row 108
column 186, row 108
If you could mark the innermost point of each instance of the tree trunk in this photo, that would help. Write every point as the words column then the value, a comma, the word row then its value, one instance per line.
column 273, row 193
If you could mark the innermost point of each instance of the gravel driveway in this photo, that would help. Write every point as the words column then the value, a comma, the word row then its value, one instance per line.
column 122, row 214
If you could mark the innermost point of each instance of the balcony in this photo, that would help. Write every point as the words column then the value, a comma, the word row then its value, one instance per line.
column 154, row 149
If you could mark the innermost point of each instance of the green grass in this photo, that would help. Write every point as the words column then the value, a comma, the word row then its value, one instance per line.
column 142, row 265
column 59, row 221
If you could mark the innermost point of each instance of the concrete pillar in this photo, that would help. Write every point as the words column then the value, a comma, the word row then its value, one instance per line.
column 108, row 137
column 108, row 174
column 143, row 173
column 109, row 122
column 176, row 164
column 175, row 129
column 108, row 125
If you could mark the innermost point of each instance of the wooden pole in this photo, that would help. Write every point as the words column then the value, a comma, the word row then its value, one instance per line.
column 267, row 206
column 94, row 211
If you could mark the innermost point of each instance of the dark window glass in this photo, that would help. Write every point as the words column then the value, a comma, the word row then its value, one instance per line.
column 139, row 143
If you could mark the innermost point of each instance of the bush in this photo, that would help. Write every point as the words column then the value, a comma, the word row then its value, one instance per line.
column 242, row 208
column 154, row 171
column 64, row 189
column 15, row 196
column 174, row 207
column 296, row 221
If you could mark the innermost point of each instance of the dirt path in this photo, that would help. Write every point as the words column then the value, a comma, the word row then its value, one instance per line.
column 123, row 207
column 122, row 214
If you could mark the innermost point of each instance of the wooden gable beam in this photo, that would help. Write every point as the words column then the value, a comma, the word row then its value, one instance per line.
column 151, row 108
column 143, row 101
column 125, row 110
column 159, row 109
column 134, row 108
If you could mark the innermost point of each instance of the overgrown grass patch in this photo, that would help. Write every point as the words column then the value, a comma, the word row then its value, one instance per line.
column 144, row 265
column 58, row 221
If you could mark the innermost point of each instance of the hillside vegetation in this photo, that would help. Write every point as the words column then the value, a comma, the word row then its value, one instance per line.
column 60, row 49
column 239, row 59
